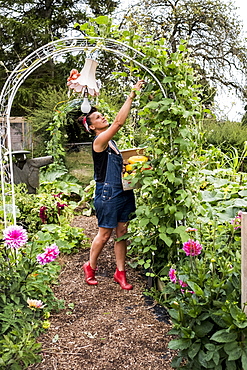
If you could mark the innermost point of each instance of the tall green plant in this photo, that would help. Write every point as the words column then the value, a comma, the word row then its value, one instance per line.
column 168, row 123
column 168, row 193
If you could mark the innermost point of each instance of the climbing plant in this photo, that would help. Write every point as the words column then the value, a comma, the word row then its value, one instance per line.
column 167, row 197
column 168, row 123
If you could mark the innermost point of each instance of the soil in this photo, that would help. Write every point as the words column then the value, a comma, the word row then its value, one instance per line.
column 104, row 327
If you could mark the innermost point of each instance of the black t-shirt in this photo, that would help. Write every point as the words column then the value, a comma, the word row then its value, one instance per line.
column 100, row 163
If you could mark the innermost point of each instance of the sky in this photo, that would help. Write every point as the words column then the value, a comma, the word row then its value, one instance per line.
column 242, row 5
column 229, row 103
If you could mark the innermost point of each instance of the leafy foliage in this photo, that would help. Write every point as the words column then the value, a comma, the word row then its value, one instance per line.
column 102, row 7
column 175, row 188
column 224, row 135
column 48, row 121
column 204, row 303
column 166, row 195
column 182, row 185
column 21, row 277
column 69, row 239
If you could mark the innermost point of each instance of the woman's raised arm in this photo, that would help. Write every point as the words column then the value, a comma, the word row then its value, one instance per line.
column 101, row 142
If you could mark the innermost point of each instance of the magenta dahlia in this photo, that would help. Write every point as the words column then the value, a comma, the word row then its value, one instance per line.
column 192, row 248
column 15, row 236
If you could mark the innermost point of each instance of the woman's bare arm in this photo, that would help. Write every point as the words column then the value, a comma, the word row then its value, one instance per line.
column 101, row 142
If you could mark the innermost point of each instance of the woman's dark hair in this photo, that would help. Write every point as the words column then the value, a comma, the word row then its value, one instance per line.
column 81, row 119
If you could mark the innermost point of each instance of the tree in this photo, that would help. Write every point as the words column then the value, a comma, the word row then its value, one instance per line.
column 102, row 7
column 211, row 28
column 26, row 26
column 244, row 118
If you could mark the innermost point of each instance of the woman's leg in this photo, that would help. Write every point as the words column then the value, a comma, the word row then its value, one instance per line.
column 120, row 247
column 98, row 244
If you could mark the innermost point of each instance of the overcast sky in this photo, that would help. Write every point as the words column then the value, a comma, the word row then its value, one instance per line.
column 242, row 5
column 231, row 105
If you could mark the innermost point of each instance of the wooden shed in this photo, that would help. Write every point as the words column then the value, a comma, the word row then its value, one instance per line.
column 21, row 137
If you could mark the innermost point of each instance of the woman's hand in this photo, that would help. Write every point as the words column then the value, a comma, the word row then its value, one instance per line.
column 136, row 87
column 101, row 142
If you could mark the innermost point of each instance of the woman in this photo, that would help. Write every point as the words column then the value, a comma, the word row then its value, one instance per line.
column 113, row 205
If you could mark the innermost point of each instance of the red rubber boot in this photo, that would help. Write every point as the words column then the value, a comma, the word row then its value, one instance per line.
column 89, row 274
column 120, row 278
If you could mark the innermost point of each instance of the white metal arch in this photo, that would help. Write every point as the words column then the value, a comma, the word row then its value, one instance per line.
column 24, row 69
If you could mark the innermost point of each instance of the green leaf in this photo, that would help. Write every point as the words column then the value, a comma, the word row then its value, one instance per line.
column 143, row 222
column 154, row 220
column 174, row 314
column 170, row 230
column 223, row 336
column 15, row 366
column 195, row 287
column 176, row 361
column 209, row 355
column 216, row 358
column 244, row 360
column 233, row 350
column 203, row 328
column 210, row 347
column 170, row 167
column 167, row 101
column 152, row 105
column 83, row 26
column 170, row 176
column 102, row 19
column 167, row 79
column 179, row 215
column 166, row 239
column 179, row 344
column 202, row 359
column 237, row 313
column 181, row 47
column 194, row 349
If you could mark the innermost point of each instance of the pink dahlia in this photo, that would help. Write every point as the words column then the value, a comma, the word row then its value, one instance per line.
column 183, row 284
column 236, row 222
column 172, row 275
column 192, row 248
column 15, row 236
column 49, row 255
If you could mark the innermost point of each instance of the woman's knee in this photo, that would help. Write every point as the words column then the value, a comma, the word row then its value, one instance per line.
column 104, row 234
column 121, row 229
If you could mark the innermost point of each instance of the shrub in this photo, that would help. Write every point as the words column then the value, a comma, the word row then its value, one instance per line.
column 224, row 135
column 204, row 301
column 27, row 273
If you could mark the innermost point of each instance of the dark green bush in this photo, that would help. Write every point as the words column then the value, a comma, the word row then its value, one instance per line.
column 224, row 134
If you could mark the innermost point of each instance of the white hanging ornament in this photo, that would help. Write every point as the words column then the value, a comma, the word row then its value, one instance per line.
column 86, row 78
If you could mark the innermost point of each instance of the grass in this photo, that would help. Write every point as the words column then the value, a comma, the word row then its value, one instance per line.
column 80, row 164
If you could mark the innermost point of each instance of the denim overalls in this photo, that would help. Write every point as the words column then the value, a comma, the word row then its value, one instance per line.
column 112, row 204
